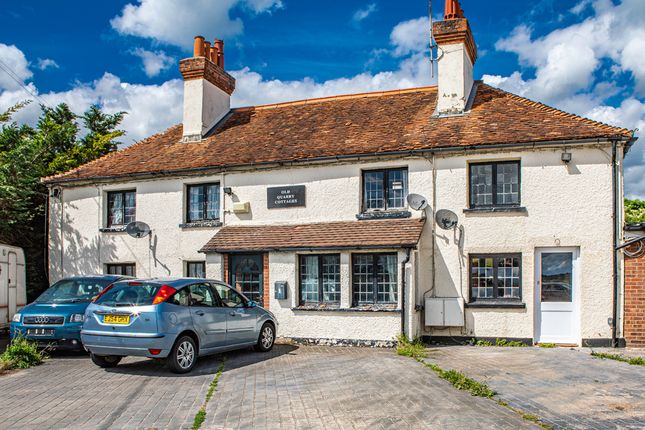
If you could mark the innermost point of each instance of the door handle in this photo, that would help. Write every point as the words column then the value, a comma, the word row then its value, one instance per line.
column 200, row 313
column 233, row 314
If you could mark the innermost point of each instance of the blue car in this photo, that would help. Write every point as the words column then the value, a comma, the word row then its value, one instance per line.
column 54, row 319
column 177, row 320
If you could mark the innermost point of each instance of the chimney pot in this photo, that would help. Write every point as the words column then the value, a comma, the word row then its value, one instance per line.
column 453, row 10
column 219, row 44
column 207, row 50
column 198, row 50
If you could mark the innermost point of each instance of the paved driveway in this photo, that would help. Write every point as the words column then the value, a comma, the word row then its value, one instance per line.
column 292, row 387
column 567, row 388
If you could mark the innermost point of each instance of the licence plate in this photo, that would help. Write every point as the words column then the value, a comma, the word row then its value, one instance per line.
column 116, row 319
column 40, row 332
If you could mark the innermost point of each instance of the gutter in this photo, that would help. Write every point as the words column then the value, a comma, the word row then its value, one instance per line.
column 300, row 248
column 269, row 164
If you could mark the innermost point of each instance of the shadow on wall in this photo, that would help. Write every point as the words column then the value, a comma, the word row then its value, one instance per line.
column 81, row 256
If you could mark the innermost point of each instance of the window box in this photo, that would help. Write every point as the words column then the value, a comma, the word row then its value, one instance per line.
column 202, row 204
column 383, row 215
column 320, row 280
column 384, row 190
column 201, row 224
column 374, row 280
column 496, row 304
column 494, row 185
column 117, row 229
column 495, row 279
column 121, row 208
column 496, row 209
column 346, row 310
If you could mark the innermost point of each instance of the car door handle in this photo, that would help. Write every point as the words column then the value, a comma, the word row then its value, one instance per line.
column 200, row 313
column 233, row 314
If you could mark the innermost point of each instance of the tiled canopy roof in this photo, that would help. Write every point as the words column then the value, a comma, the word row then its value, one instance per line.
column 376, row 123
column 396, row 233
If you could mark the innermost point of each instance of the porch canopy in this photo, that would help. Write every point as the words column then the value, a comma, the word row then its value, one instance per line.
column 375, row 234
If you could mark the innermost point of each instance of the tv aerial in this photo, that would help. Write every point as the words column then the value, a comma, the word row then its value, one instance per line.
column 446, row 219
column 417, row 202
column 138, row 229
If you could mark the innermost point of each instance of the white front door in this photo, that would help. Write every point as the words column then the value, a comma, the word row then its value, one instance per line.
column 557, row 296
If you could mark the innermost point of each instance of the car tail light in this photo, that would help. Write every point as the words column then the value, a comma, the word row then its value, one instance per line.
column 105, row 290
column 154, row 351
column 162, row 295
column 135, row 283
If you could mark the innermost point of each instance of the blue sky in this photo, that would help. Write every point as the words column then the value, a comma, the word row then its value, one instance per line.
column 583, row 56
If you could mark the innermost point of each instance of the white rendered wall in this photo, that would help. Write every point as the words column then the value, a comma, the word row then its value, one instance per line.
column 204, row 106
column 455, row 80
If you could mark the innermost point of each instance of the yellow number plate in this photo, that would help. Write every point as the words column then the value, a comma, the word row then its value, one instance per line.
column 116, row 319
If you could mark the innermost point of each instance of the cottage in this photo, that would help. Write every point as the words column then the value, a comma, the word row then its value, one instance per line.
column 304, row 207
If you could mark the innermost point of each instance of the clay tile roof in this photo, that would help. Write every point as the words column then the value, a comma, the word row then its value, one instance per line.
column 373, row 123
column 396, row 233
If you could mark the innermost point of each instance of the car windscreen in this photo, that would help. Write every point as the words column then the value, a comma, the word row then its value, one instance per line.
column 73, row 290
column 129, row 294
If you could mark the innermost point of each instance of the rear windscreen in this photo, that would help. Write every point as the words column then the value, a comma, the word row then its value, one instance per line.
column 126, row 294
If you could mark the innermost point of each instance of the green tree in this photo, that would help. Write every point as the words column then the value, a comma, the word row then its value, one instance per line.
column 634, row 211
column 27, row 154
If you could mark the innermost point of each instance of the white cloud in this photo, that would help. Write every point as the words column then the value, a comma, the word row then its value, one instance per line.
column 14, row 67
column 153, row 62
column 363, row 13
column 176, row 22
column 45, row 63
column 567, row 70
column 411, row 36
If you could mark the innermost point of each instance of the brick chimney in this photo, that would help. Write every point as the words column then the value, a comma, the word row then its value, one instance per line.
column 457, row 56
column 207, row 89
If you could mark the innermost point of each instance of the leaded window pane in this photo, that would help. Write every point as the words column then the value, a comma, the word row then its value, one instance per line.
column 115, row 209
column 212, row 202
column 481, row 185
column 495, row 277
column 374, row 279
column 128, row 269
column 397, row 188
column 374, row 197
column 508, row 184
column 309, row 278
column 331, row 278
column 130, row 210
column 195, row 203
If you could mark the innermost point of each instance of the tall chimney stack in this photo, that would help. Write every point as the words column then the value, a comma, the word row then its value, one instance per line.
column 207, row 89
column 457, row 59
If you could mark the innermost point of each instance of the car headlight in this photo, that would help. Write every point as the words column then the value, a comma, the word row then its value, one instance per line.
column 76, row 318
column 16, row 318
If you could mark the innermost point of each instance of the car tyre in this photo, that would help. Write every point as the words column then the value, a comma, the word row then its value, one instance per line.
column 266, row 338
column 106, row 361
column 183, row 355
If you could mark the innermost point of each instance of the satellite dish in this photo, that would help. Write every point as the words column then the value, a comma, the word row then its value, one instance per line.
column 417, row 202
column 138, row 229
column 446, row 219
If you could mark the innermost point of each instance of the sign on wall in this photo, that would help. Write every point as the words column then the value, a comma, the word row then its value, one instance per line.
column 286, row 197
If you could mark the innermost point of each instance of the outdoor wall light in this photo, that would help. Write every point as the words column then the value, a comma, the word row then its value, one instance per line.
column 228, row 190
column 566, row 157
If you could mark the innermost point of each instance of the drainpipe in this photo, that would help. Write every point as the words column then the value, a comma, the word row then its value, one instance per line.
column 403, row 286
column 614, row 184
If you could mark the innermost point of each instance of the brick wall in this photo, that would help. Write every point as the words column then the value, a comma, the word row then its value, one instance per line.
column 634, row 325
column 265, row 279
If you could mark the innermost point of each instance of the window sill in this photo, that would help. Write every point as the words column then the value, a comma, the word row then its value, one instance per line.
column 357, row 309
column 503, row 209
column 383, row 215
column 201, row 224
column 496, row 304
column 115, row 229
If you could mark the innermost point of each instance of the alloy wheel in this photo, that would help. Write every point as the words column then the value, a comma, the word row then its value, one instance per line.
column 267, row 337
column 185, row 354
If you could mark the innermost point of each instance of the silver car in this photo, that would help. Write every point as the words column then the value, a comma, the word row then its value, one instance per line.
column 173, row 319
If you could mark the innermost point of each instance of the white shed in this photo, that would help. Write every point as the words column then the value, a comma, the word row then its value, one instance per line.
column 13, row 290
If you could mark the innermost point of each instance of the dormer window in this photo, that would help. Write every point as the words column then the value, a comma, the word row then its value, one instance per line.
column 384, row 189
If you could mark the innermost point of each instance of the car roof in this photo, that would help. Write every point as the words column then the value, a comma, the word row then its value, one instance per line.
column 173, row 282
column 104, row 277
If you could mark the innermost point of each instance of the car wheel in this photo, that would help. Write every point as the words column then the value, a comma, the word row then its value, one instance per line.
column 106, row 361
column 266, row 338
column 183, row 356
